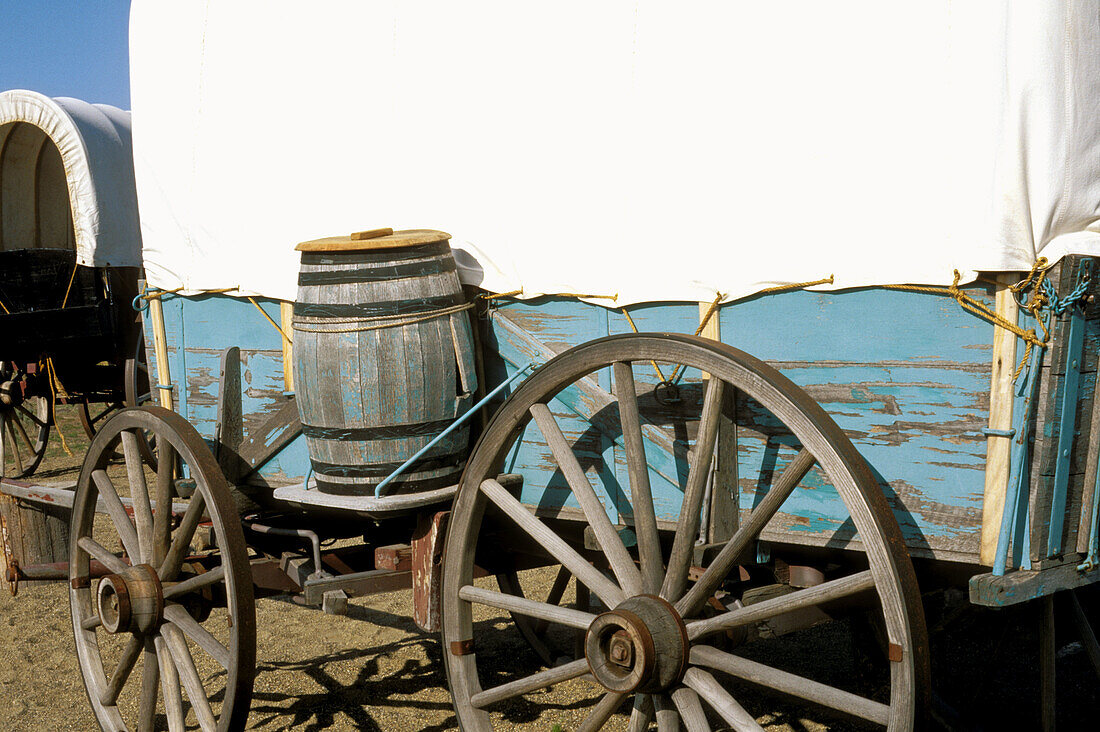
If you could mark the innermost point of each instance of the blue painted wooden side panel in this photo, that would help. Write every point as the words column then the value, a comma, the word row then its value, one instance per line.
column 198, row 329
column 906, row 375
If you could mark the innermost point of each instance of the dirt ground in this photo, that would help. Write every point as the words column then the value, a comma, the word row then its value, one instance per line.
column 374, row 670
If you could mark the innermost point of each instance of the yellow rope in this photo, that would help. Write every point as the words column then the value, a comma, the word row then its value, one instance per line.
column 4, row 307
column 702, row 324
column 1033, row 306
column 284, row 335
column 490, row 296
column 795, row 286
column 380, row 326
column 578, row 295
column 158, row 294
column 55, row 386
column 65, row 300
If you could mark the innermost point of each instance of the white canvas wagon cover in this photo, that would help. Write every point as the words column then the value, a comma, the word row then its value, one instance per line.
column 91, row 173
column 647, row 149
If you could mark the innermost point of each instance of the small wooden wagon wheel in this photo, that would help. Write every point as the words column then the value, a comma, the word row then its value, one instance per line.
column 139, row 591
column 24, row 425
column 135, row 393
column 653, row 652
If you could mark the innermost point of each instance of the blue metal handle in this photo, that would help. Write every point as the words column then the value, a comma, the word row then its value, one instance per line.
column 454, row 425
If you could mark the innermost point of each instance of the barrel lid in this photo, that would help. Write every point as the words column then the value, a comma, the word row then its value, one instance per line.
column 374, row 239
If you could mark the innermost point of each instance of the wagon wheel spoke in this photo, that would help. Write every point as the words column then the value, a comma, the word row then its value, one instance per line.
column 790, row 684
column 109, row 495
column 810, row 597
column 538, row 633
column 531, row 608
column 162, row 516
column 130, row 654
column 691, row 710
column 14, row 448
column 606, row 537
column 792, row 475
column 557, row 591
column 150, row 680
column 23, row 433
column 605, row 589
column 645, row 520
column 89, row 422
column 642, row 714
column 181, row 542
column 111, row 407
column 102, row 555
column 600, row 713
column 707, row 687
column 170, row 686
column 687, row 528
column 194, row 584
column 185, row 664
column 139, row 494
column 32, row 416
column 202, row 637
column 668, row 719
column 534, row 682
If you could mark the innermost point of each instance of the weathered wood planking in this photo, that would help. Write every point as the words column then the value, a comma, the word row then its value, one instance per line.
column 1049, row 416
column 198, row 329
column 905, row 374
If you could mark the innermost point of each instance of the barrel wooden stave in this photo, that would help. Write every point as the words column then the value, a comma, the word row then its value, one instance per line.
column 372, row 398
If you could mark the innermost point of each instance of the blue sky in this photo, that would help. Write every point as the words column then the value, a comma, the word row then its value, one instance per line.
column 66, row 48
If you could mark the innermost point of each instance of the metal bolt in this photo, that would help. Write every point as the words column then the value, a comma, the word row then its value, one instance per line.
column 620, row 650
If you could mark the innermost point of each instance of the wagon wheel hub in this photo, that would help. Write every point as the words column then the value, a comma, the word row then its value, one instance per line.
column 641, row 645
column 11, row 394
column 131, row 602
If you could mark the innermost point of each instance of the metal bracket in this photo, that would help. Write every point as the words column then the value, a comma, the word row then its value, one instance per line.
column 1068, row 424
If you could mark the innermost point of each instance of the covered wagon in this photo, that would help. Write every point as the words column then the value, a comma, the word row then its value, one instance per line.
column 792, row 306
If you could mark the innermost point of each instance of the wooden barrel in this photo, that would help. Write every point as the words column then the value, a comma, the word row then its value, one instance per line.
column 383, row 360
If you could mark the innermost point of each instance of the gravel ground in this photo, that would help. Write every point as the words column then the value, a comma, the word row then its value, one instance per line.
column 374, row 670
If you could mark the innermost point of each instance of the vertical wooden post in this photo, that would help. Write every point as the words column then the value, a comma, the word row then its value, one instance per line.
column 998, row 449
column 286, row 314
column 160, row 349
column 723, row 496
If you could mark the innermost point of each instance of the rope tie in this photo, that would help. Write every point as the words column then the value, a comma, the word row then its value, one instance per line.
column 578, row 295
column 55, row 387
column 975, row 307
column 65, row 300
column 677, row 372
column 263, row 313
column 795, row 286
column 374, row 324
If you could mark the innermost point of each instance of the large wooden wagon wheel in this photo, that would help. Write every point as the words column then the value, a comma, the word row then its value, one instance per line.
column 24, row 425
column 188, row 618
column 656, row 652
